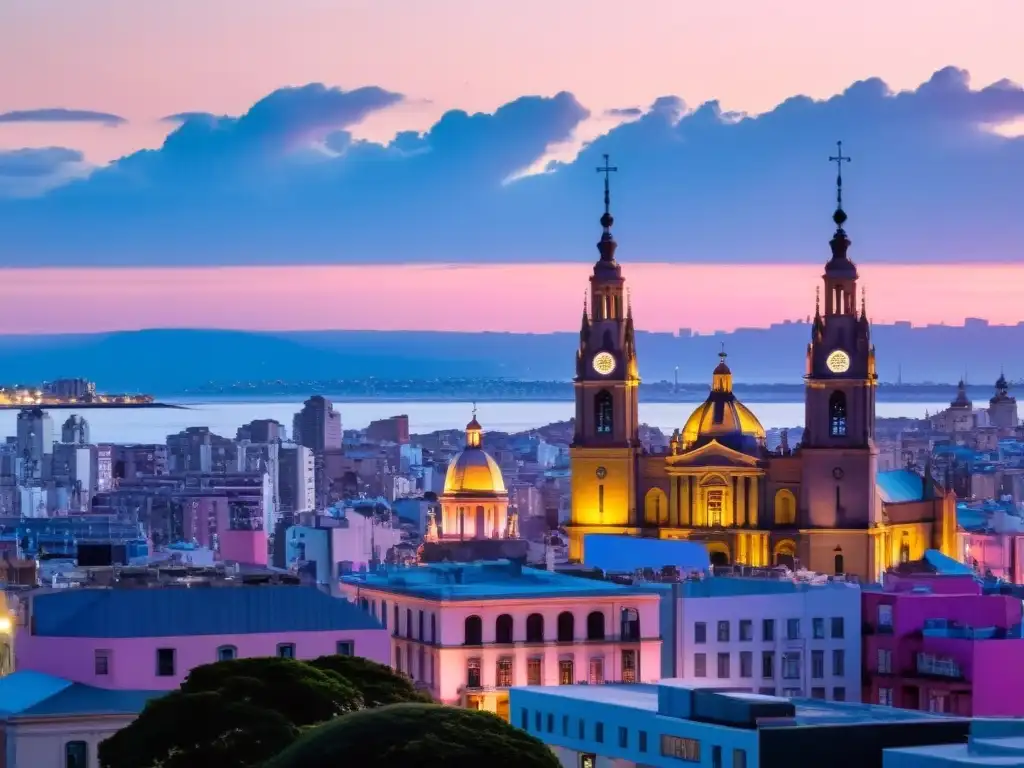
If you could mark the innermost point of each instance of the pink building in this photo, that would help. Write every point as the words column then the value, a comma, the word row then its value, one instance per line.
column 149, row 639
column 934, row 641
column 470, row 631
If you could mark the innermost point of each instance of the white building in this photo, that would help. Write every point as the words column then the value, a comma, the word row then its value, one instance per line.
column 770, row 636
column 34, row 443
column 469, row 631
column 672, row 724
column 296, row 478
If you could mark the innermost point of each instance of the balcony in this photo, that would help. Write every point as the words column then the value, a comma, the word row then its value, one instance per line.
column 617, row 639
column 933, row 666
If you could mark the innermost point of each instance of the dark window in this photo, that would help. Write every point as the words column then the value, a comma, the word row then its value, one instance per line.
column 533, row 671
column 768, row 664
column 227, row 653
column 739, row 758
column 723, row 631
column 746, row 630
column 364, row 604
column 818, row 693
column 473, row 674
column 565, row 725
column 384, row 613
column 837, row 415
column 840, row 565
column 474, row 630
column 286, row 650
column 642, row 741
column 700, row 665
column 433, row 628
column 700, row 633
column 165, row 662
column 623, row 737
column 630, row 625
column 76, row 754
column 768, row 630
column 716, row 757
column 348, row 648
column 837, row 626
column 503, row 629
column 599, row 733
column 595, row 625
column 838, row 662
column 551, row 723
column 818, row 666
column 723, row 665
column 102, row 661
column 792, row 629
column 535, row 628
column 394, row 630
column 839, row 694
column 566, row 627
column 421, row 636
column 818, row 629
column 408, row 623
column 582, row 730
column 524, row 719
column 746, row 664
column 603, row 412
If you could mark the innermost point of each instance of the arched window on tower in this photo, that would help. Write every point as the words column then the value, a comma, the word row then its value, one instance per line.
column 905, row 548
column 839, row 565
column 837, row 415
column 603, row 412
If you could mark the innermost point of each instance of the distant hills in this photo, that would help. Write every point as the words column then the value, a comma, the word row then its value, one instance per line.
column 171, row 361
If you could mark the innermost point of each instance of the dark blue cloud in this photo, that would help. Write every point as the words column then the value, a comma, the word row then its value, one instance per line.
column 26, row 163
column 287, row 183
column 61, row 115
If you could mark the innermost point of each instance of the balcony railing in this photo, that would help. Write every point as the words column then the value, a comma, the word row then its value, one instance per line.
column 929, row 664
column 626, row 639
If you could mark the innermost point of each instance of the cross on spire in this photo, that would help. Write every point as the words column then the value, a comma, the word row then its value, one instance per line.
column 839, row 158
column 607, row 170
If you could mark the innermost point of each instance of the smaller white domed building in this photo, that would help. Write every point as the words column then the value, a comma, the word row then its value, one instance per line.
column 474, row 504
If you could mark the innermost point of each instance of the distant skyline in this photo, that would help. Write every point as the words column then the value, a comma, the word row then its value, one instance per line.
column 359, row 136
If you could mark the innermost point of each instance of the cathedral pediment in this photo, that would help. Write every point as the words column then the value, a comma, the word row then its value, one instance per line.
column 712, row 454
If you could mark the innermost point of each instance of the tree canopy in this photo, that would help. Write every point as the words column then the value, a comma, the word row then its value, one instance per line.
column 403, row 735
column 237, row 714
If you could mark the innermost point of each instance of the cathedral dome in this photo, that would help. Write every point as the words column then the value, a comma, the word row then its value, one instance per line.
column 723, row 418
column 473, row 472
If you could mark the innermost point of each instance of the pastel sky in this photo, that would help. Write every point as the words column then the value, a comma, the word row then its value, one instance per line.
column 374, row 173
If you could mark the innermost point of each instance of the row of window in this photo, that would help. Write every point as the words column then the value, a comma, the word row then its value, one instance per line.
column 837, row 630
column 381, row 612
column 504, row 668
column 504, row 627
column 677, row 747
column 166, row 658
column 790, row 664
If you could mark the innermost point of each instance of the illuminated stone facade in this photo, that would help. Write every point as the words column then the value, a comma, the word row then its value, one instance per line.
column 817, row 507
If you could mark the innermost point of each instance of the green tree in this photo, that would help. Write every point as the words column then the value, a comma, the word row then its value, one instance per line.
column 412, row 735
column 231, row 714
column 377, row 684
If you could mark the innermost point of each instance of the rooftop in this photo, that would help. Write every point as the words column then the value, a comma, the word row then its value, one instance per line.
column 179, row 611
column 900, row 486
column 35, row 694
column 498, row 579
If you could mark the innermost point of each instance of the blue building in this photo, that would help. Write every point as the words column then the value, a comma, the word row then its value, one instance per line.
column 672, row 724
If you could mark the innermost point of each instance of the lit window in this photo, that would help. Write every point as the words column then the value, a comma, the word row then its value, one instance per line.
column 286, row 650
column 227, row 653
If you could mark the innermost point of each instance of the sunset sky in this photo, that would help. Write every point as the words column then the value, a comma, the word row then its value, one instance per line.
column 317, row 208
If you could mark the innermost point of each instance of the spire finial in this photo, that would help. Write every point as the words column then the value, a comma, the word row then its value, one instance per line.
column 839, row 217
column 474, row 410
column 721, row 352
column 864, row 302
column 817, row 300
column 607, row 170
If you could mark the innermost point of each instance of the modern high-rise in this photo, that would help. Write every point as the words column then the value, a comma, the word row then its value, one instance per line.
column 296, row 479
column 75, row 430
column 317, row 426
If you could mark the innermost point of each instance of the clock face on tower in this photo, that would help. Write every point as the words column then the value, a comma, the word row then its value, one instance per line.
column 838, row 361
column 604, row 363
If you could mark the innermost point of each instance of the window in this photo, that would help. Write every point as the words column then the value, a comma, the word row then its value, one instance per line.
column 524, row 719
column 700, row 665
column 551, row 723
column 433, row 628
column 102, row 662
column 535, row 628
column 739, row 758
column 818, row 693
column 394, row 630
column 629, row 625
column 503, row 627
column 582, row 730
column 746, row 630
column 408, row 623
column 837, row 415
column 227, row 653
column 165, row 662
column 768, row 665
column 629, row 659
column 76, row 754
column 596, row 670
column 286, row 650
column 885, row 616
column 937, row 702
column 885, row 697
column 791, row 665
column 474, row 630
column 641, row 740
column 420, row 636
column 565, row 725
column 595, row 625
column 472, row 673
column 599, row 733
column 680, row 748
column 818, row 629
column 603, row 412
column 714, row 505
column 766, row 691
column 566, row 674
column 839, row 694
column 837, row 627
column 884, row 661
column 792, row 629
column 716, row 756
column 533, row 671
column 838, row 662
column 746, row 664
column 384, row 613
column 700, row 633
column 723, row 665
column 398, row 660
column 503, row 672
column 566, row 627
column 723, row 631
column 792, row 693
column 768, row 630
column 623, row 737
column 817, row 664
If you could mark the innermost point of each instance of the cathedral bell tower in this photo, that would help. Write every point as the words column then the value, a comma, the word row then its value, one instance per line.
column 606, row 437
column 839, row 457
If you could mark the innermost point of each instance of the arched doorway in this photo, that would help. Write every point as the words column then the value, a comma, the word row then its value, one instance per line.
column 785, row 554
column 718, row 553
column 656, row 507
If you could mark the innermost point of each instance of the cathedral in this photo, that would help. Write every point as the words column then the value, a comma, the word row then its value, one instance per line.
column 821, row 506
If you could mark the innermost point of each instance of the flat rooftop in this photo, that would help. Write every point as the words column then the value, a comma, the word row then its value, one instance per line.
column 808, row 712
column 487, row 579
